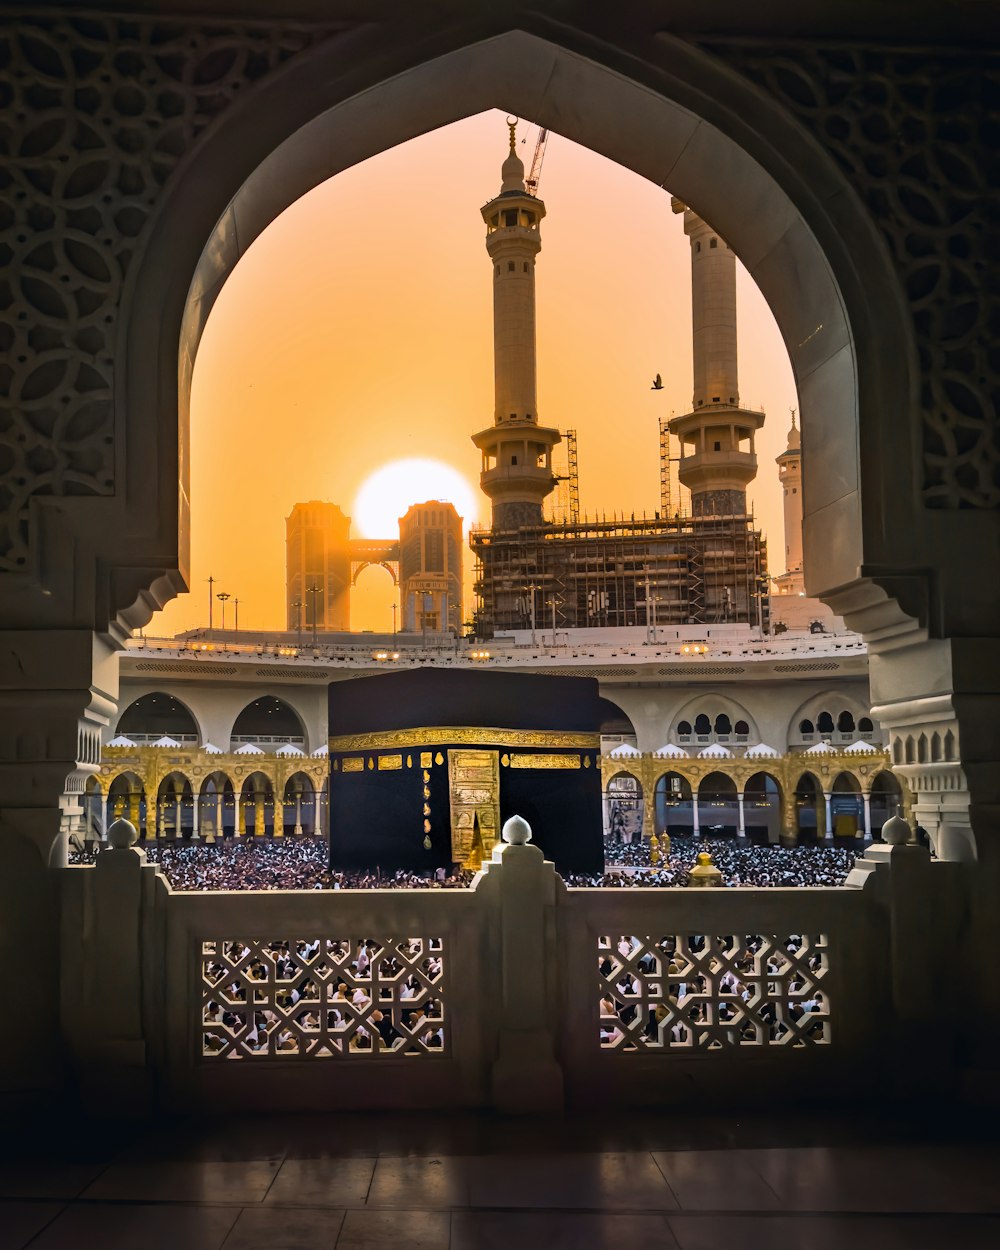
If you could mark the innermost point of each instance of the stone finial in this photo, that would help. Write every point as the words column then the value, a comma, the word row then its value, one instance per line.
column 516, row 831
column 121, row 834
column 896, row 830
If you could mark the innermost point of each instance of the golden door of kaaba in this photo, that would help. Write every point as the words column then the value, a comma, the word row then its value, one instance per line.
column 474, row 790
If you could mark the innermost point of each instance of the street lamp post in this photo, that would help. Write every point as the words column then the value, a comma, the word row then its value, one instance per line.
column 211, row 583
column 553, row 602
column 531, row 611
column 297, row 605
column 236, row 605
column 314, row 591
column 222, row 597
column 394, row 623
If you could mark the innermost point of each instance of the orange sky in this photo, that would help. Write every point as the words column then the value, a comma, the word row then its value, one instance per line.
column 358, row 330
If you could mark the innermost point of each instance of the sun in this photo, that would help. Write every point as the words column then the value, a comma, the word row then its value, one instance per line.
column 385, row 495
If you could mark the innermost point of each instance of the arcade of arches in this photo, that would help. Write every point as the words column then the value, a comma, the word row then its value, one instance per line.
column 167, row 793
column 790, row 799
column 857, row 191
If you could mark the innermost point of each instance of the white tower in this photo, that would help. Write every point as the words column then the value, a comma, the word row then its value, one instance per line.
column 789, row 463
column 517, row 452
column 718, row 460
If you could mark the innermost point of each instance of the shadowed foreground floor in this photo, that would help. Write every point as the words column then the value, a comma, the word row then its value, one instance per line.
column 875, row 1180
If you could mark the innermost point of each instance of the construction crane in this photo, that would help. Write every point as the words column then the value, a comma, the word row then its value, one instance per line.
column 531, row 182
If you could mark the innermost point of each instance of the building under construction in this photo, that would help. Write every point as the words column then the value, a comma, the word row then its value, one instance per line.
column 568, row 573
column 690, row 570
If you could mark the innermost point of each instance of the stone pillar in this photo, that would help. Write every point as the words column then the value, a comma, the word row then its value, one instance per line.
column 111, row 1051
column 195, row 827
column 741, row 830
column 526, row 1076
column 298, row 813
column 695, row 821
column 258, row 813
column 279, row 817
column 908, row 886
column 178, row 813
column 239, row 816
column 827, row 816
column 220, row 799
column 789, row 823
column 133, row 808
column 866, row 800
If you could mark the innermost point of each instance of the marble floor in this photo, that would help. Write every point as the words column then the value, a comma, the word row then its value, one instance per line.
column 816, row 1180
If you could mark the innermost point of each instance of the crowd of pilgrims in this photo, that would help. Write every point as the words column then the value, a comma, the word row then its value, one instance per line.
column 301, row 864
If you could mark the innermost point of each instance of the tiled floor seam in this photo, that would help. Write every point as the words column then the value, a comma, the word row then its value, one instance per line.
column 666, row 1180
column 46, row 1226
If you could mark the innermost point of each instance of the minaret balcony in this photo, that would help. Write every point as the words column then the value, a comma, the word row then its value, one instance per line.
column 718, row 470
column 517, row 474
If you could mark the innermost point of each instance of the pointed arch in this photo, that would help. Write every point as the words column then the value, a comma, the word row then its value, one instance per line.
column 623, row 807
column 158, row 714
column 763, row 802
column 268, row 721
column 672, row 805
column 301, row 802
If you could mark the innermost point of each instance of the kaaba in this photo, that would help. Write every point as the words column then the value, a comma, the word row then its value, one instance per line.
column 426, row 765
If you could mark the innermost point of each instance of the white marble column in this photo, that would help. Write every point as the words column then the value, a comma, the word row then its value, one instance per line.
column 695, row 822
column 866, row 799
column 827, row 796
column 195, row 828
column 741, row 831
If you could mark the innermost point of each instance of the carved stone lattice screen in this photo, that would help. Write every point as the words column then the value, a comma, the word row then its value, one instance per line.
column 320, row 998
column 693, row 992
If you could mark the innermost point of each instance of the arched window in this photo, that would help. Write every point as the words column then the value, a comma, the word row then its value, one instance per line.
column 723, row 725
column 935, row 747
column 922, row 749
column 845, row 722
column 824, row 723
column 865, row 726
column 897, row 751
column 742, row 728
column 806, row 727
column 949, row 745
column 684, row 728
column 909, row 750
column 702, row 725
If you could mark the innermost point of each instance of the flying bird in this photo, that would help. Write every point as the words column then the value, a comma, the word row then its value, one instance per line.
column 657, row 384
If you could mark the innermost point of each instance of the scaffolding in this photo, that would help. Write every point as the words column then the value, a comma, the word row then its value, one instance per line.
column 674, row 498
column 620, row 572
column 564, row 508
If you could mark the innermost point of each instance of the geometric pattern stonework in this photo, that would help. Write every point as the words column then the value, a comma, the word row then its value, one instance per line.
column 322, row 998
column 698, row 992
column 917, row 132
column 96, row 112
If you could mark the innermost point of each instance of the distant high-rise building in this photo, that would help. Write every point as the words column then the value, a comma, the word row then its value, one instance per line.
column 430, row 568
column 318, row 567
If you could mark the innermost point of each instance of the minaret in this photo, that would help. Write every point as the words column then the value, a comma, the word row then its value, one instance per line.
column 517, row 451
column 790, row 475
column 718, row 460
